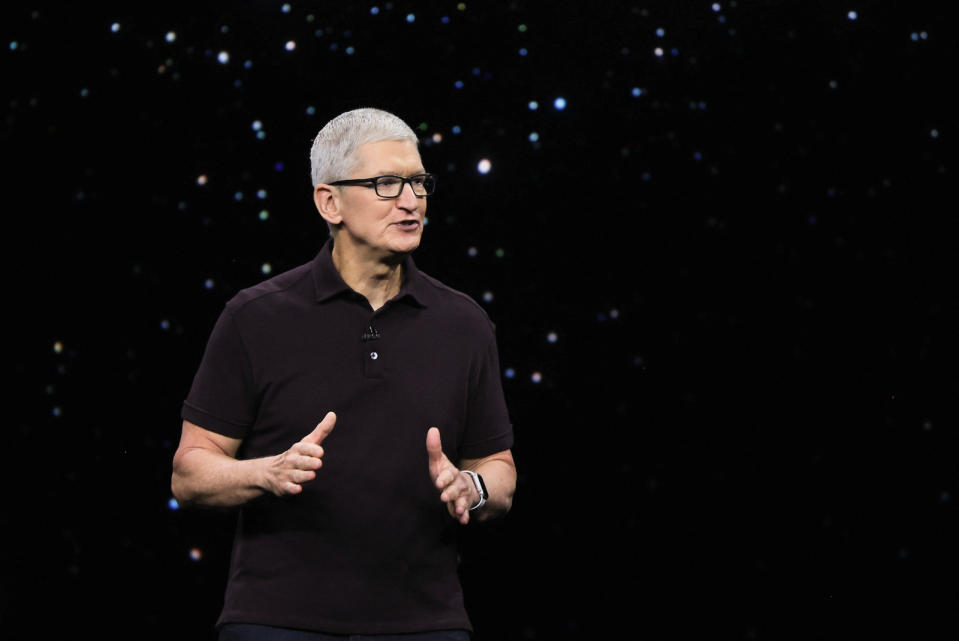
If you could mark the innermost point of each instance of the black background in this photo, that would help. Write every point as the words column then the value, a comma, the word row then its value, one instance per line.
column 746, row 426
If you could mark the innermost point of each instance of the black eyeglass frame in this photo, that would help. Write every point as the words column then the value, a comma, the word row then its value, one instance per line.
column 375, row 181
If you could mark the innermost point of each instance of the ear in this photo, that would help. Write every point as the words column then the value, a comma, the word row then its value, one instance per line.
column 327, row 201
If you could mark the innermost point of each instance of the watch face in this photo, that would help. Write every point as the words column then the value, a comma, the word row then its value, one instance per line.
column 482, row 487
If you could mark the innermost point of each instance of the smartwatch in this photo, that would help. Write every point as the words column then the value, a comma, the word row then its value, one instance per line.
column 480, row 489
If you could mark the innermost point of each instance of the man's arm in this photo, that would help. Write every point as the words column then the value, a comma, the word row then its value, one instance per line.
column 207, row 473
column 456, row 488
column 499, row 475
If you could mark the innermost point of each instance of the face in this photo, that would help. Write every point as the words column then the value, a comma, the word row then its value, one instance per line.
column 374, row 227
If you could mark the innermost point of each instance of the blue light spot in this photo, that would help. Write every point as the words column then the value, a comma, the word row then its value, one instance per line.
column 374, row 11
column 165, row 325
column 261, row 194
column 637, row 92
column 248, row 64
column 257, row 125
column 173, row 504
column 13, row 45
column 660, row 32
column 456, row 129
column 238, row 196
column 852, row 15
column 350, row 51
column 445, row 19
column 285, row 8
column 534, row 137
column 510, row 373
column 458, row 84
column 278, row 166
column 410, row 17
column 208, row 283
column 523, row 51
column 56, row 411
column 311, row 110
column 697, row 156
column 261, row 135
column 533, row 105
column 716, row 7
column 559, row 104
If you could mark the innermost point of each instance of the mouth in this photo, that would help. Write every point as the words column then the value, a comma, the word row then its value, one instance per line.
column 408, row 225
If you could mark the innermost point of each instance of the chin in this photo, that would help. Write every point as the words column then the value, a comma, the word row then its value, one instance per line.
column 406, row 245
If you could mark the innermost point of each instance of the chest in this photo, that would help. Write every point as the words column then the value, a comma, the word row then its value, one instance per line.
column 388, row 375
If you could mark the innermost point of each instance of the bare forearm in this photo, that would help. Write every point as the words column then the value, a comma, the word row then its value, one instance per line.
column 209, row 479
column 499, row 476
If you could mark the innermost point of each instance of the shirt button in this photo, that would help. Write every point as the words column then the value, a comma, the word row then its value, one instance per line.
column 374, row 356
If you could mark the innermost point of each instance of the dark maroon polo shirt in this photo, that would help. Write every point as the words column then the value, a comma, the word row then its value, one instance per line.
column 367, row 547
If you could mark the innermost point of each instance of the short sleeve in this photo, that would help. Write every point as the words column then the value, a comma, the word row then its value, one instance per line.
column 488, row 427
column 222, row 398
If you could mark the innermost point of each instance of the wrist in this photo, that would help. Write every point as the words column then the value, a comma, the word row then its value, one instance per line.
column 479, row 487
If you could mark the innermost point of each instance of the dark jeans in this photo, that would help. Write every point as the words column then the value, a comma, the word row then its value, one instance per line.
column 252, row 632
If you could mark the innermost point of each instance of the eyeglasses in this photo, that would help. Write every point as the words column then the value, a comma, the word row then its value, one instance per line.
column 392, row 186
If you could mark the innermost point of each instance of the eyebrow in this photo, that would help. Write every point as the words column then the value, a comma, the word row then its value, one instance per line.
column 418, row 172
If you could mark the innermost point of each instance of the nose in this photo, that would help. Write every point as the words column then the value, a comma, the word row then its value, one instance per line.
column 407, row 199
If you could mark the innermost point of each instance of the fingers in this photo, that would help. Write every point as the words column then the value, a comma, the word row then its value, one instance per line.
column 434, row 445
column 322, row 430
column 459, row 507
column 298, row 465
column 445, row 477
column 457, row 493
column 454, row 489
column 299, row 460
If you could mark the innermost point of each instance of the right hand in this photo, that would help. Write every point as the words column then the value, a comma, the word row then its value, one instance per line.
column 286, row 472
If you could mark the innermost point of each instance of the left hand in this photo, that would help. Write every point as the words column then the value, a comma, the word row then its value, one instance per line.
column 456, row 489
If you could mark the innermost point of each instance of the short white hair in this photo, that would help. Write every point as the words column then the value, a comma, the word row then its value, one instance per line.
column 333, row 155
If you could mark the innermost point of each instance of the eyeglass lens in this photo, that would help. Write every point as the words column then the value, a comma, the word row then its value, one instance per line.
column 392, row 186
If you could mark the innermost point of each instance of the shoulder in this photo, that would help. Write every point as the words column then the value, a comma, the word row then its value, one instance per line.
column 455, row 305
column 282, row 290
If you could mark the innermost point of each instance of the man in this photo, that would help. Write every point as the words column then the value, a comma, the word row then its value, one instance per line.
column 352, row 409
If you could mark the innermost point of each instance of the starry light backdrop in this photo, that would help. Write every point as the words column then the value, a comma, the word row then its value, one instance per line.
column 716, row 239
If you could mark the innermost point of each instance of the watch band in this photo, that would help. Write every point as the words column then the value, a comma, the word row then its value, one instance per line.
column 480, row 489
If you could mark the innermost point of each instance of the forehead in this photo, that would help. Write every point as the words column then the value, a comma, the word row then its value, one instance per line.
column 398, row 157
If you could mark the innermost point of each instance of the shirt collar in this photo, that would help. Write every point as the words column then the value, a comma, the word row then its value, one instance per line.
column 328, row 283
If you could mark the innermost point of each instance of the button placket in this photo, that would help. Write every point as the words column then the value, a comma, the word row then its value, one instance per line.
column 372, row 350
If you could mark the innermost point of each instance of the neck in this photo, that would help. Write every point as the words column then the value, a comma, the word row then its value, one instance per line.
column 378, row 280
